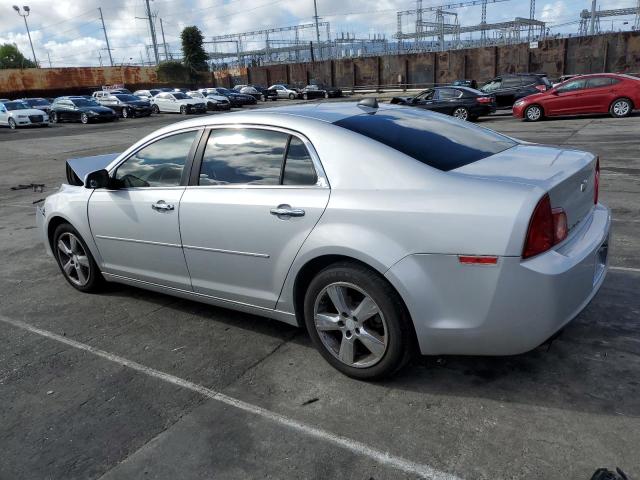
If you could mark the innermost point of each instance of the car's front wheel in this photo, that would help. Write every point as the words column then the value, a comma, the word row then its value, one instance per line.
column 125, row 113
column 461, row 113
column 291, row 96
column 305, row 96
column 54, row 117
column 533, row 113
column 621, row 108
column 75, row 260
column 357, row 321
column 12, row 124
column 84, row 118
column 184, row 110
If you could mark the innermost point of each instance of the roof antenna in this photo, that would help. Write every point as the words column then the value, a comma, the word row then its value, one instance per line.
column 369, row 105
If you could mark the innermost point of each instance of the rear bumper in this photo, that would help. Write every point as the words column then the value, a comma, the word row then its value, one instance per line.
column 508, row 308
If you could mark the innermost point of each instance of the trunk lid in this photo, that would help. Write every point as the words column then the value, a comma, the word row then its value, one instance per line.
column 567, row 175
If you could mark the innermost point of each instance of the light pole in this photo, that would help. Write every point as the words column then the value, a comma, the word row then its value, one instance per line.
column 24, row 15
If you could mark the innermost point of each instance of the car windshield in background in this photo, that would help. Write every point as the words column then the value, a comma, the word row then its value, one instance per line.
column 84, row 102
column 36, row 101
column 180, row 95
column 440, row 142
column 224, row 90
column 16, row 106
column 126, row 98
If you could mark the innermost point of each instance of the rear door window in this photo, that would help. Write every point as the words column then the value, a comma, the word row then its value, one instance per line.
column 448, row 93
column 511, row 82
column 598, row 82
column 439, row 142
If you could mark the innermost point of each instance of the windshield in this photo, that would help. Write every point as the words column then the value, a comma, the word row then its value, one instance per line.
column 84, row 102
column 196, row 95
column 16, row 106
column 36, row 101
column 222, row 90
column 126, row 98
column 435, row 140
column 180, row 95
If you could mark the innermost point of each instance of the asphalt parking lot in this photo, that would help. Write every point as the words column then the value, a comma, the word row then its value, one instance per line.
column 130, row 384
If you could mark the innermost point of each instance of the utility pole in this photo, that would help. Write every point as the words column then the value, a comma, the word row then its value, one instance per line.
column 483, row 21
column 316, row 18
column 152, row 28
column 532, row 16
column 24, row 15
column 592, row 23
column 106, row 38
column 100, row 57
column 164, row 42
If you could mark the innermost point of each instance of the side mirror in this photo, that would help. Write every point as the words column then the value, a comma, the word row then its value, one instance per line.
column 554, row 92
column 97, row 179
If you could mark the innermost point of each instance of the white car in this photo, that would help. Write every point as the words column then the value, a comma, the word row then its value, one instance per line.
column 177, row 102
column 213, row 101
column 18, row 114
column 285, row 91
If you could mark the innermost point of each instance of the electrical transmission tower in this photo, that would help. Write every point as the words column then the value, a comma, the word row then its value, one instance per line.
column 532, row 16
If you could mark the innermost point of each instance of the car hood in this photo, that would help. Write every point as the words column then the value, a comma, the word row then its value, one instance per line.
column 191, row 101
column 536, row 96
column 28, row 111
column 220, row 98
column 139, row 103
column 82, row 166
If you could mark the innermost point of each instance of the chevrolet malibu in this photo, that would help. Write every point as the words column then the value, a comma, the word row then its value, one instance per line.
column 381, row 230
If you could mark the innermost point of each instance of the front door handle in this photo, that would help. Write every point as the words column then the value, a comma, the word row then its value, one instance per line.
column 162, row 206
column 286, row 211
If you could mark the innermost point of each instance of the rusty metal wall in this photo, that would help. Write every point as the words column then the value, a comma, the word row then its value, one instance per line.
column 616, row 52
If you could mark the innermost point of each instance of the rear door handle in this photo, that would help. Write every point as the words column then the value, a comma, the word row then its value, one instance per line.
column 162, row 206
column 286, row 211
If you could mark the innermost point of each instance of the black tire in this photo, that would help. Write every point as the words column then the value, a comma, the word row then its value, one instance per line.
column 399, row 333
column 12, row 124
column 621, row 107
column 155, row 109
column 125, row 112
column 183, row 110
column 95, row 280
column 54, row 117
column 305, row 96
column 461, row 113
column 533, row 113
column 326, row 94
column 292, row 96
column 84, row 118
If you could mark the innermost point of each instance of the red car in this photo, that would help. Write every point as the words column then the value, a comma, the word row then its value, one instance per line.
column 610, row 93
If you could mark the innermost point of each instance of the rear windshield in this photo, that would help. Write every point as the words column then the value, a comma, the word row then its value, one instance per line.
column 439, row 141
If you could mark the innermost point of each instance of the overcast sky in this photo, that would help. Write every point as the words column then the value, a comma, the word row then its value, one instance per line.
column 70, row 30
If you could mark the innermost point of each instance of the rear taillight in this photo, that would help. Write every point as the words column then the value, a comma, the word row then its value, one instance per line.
column 484, row 99
column 547, row 228
column 542, row 88
column 596, row 182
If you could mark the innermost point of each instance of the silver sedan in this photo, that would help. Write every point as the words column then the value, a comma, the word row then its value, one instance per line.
column 382, row 230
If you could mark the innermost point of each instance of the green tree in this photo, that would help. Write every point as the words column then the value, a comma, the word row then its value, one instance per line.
column 172, row 71
column 194, row 56
column 10, row 57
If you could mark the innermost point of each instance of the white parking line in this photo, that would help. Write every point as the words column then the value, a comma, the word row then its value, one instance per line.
column 359, row 448
column 625, row 269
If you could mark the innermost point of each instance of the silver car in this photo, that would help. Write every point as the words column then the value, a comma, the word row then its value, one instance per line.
column 382, row 230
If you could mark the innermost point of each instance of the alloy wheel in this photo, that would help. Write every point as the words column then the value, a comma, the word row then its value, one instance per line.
column 54, row 117
column 12, row 124
column 84, row 118
column 461, row 113
column 534, row 113
column 350, row 325
column 621, row 108
column 125, row 113
column 73, row 259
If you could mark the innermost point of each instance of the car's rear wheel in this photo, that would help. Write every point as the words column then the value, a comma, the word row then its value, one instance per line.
column 155, row 109
column 305, row 96
column 84, row 118
column 461, row 113
column 326, row 94
column 12, row 124
column 533, row 113
column 621, row 107
column 357, row 321
column 75, row 260
column 125, row 113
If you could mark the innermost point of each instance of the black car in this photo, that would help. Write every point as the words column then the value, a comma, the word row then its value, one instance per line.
column 236, row 99
column 509, row 88
column 461, row 102
column 85, row 110
column 320, row 90
column 265, row 92
column 126, row 105
column 38, row 103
